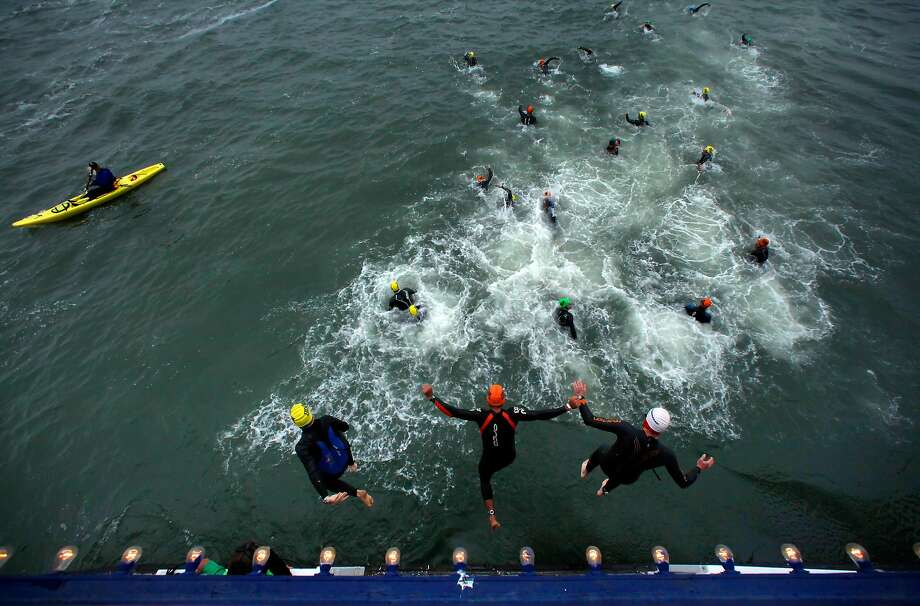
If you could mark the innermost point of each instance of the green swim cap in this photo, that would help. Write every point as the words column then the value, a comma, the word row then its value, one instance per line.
column 564, row 302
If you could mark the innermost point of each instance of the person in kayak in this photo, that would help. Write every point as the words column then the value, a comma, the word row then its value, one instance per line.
column 483, row 181
column 564, row 317
column 497, row 427
column 402, row 299
column 543, row 64
column 510, row 197
column 470, row 58
column 640, row 121
column 706, row 156
column 527, row 118
column 326, row 455
column 99, row 181
column 635, row 450
column 700, row 311
column 613, row 148
column 746, row 39
column 549, row 205
column 694, row 10
column 761, row 251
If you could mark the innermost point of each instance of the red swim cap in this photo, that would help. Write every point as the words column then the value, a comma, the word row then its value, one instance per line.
column 496, row 395
column 705, row 302
column 763, row 243
column 480, row 178
column 530, row 109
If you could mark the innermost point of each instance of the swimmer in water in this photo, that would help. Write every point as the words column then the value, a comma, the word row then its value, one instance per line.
column 641, row 121
column 543, row 64
column 613, row 148
column 564, row 317
column 527, row 118
column 704, row 94
column 614, row 10
column 470, row 58
column 761, row 251
column 694, row 11
column 648, row 27
column 549, row 205
column 510, row 198
column 699, row 311
column 587, row 51
column 483, row 181
column 706, row 156
column 746, row 39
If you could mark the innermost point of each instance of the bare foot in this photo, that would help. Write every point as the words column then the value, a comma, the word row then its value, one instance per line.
column 366, row 498
column 493, row 523
column 600, row 491
column 584, row 469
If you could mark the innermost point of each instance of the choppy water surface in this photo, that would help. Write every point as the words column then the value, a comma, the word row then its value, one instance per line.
column 316, row 151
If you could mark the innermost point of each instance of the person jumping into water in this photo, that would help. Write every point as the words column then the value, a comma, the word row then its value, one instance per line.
column 641, row 121
column 497, row 427
column 549, row 205
column 527, row 118
column 564, row 317
column 635, row 450
column 694, row 11
column 483, row 181
column 543, row 64
column 326, row 455
column 613, row 148
column 99, row 181
column 700, row 311
column 470, row 58
column 761, row 251
column 510, row 198
column 706, row 156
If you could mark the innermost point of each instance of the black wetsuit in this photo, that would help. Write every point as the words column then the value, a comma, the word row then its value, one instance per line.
column 693, row 11
column 484, row 184
column 497, row 431
column 632, row 453
column 565, row 319
column 310, row 455
column 402, row 299
column 544, row 67
column 527, row 119
column 706, row 157
column 613, row 149
column 509, row 197
column 760, row 254
column 470, row 60
column 698, row 312
column 638, row 121
column 586, row 50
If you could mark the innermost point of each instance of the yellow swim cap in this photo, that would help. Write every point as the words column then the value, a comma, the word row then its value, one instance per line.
column 705, row 90
column 413, row 311
column 710, row 149
column 641, row 114
column 394, row 286
column 301, row 415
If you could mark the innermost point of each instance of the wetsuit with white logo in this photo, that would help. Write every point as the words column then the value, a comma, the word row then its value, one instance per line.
column 325, row 454
column 632, row 453
column 403, row 299
column 497, row 430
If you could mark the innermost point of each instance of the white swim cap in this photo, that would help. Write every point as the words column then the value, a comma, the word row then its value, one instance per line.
column 658, row 419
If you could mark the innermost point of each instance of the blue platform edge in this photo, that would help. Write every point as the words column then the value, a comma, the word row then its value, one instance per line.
column 673, row 589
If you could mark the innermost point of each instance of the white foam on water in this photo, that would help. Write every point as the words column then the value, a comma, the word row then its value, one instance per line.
column 226, row 19
column 611, row 70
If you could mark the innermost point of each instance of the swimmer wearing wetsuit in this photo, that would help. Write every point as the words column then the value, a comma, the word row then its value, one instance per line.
column 641, row 121
column 700, row 311
column 761, row 251
column 510, row 198
column 564, row 317
column 694, row 11
column 470, row 58
column 402, row 299
column 497, row 426
column 705, row 157
column 527, row 118
column 587, row 51
column 483, row 181
column 648, row 27
column 543, row 64
column 326, row 455
column 746, row 40
column 635, row 450
column 549, row 205
column 613, row 148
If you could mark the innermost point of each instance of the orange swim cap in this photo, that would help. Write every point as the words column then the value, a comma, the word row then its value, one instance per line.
column 496, row 395
column 705, row 302
column 530, row 109
column 763, row 243
column 480, row 178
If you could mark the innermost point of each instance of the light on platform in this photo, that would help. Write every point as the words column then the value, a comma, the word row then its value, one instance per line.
column 193, row 557
column 392, row 558
column 326, row 560
column 793, row 557
column 662, row 558
column 527, row 558
column 916, row 550
column 64, row 558
column 5, row 554
column 129, row 559
column 860, row 557
column 726, row 557
column 460, row 558
column 593, row 557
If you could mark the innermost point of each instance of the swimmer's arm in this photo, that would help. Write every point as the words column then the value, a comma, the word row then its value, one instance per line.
column 459, row 413
column 616, row 426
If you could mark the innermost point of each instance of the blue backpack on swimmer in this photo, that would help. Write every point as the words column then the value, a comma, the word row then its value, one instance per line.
column 334, row 457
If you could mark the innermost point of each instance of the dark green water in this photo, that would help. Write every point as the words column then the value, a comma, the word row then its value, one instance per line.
column 316, row 151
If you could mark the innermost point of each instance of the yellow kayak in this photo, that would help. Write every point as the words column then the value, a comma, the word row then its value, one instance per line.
column 79, row 204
